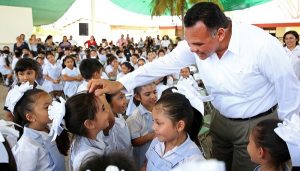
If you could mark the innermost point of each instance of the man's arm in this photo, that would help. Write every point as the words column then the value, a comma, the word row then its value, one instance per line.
column 171, row 63
column 274, row 64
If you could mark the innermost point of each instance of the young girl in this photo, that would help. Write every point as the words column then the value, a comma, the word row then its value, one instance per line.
column 26, row 70
column 52, row 76
column 125, row 68
column 140, row 122
column 86, row 116
column 71, row 76
column 185, row 76
column 172, row 146
column 266, row 148
column 112, row 68
column 118, row 138
column 35, row 150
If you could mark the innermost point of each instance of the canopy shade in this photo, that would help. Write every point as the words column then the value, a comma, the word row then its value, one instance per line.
column 144, row 6
column 43, row 11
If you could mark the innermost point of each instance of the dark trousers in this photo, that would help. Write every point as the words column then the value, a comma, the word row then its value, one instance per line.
column 230, row 140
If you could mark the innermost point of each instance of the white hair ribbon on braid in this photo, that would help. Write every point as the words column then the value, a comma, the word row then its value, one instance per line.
column 192, row 95
column 16, row 94
column 113, row 168
column 289, row 131
column 6, row 128
column 56, row 113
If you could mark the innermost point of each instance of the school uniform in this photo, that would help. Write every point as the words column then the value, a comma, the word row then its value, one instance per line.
column 3, row 69
column 83, row 148
column 190, row 81
column 140, row 124
column 120, row 75
column 156, row 159
column 82, row 86
column 119, row 139
column 121, row 60
column 70, row 87
column 35, row 151
column 53, row 71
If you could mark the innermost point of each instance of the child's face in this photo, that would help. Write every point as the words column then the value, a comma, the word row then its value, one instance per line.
column 161, row 54
column 141, row 63
column 124, row 69
column 51, row 59
column 185, row 73
column 147, row 96
column 39, row 114
column 27, row 75
column 118, row 103
column 101, row 120
column 253, row 150
column 134, row 59
column 165, row 130
column 93, row 54
column 40, row 61
column 114, row 62
column 69, row 63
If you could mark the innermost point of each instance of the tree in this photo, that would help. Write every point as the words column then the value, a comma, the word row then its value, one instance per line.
column 176, row 7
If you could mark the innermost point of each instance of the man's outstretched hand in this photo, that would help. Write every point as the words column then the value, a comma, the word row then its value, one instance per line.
column 101, row 86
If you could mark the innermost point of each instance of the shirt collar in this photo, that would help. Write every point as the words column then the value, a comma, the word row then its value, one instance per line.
column 234, row 43
column 179, row 150
column 143, row 110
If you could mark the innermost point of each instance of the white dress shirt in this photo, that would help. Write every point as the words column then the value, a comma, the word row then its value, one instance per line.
column 294, row 56
column 252, row 76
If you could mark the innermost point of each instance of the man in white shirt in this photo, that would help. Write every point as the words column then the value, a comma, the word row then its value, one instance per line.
column 245, row 69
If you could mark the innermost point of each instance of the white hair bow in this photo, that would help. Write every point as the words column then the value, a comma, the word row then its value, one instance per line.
column 16, row 94
column 289, row 131
column 112, row 168
column 6, row 129
column 56, row 113
column 192, row 95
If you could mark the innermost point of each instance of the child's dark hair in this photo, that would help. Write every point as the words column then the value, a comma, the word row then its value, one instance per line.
column 128, row 65
column 110, row 58
column 264, row 136
column 100, row 163
column 26, row 64
column 118, row 52
column 136, row 55
column 195, row 124
column 178, row 107
column 80, row 107
column 88, row 67
column 25, row 105
column 69, row 57
column 142, row 59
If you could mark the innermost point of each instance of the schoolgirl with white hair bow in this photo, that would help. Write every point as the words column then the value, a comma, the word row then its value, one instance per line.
column 172, row 119
column 272, row 144
column 36, row 149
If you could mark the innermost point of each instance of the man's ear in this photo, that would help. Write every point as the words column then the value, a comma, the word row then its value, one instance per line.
column 221, row 34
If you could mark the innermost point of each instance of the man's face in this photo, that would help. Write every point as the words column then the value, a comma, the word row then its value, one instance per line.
column 201, row 41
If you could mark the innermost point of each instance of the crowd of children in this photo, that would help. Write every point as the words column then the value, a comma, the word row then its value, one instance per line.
column 99, row 132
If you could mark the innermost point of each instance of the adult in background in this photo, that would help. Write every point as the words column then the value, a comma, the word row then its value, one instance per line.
column 292, row 48
column 244, row 68
column 91, row 43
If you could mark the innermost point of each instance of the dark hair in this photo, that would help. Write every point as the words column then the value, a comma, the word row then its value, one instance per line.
column 88, row 67
column 293, row 33
column 48, row 37
column 11, row 165
column 265, row 137
column 161, row 50
column 197, row 119
column 136, row 55
column 110, row 58
column 26, row 64
column 128, row 65
column 25, row 105
column 100, row 163
column 207, row 12
column 68, row 57
column 80, row 107
column 118, row 52
column 142, row 59
column 177, row 107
